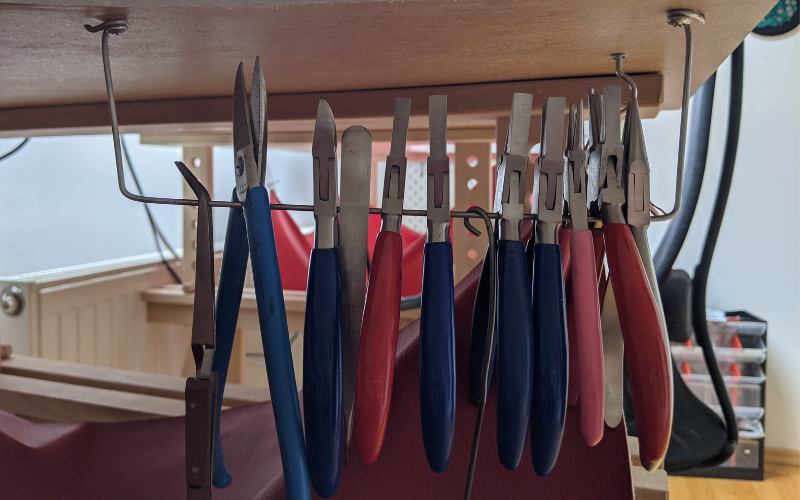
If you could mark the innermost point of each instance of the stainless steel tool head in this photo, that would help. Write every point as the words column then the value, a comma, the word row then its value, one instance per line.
column 549, row 169
column 612, row 152
column 438, row 171
column 593, row 183
column 353, row 231
column 249, row 133
column 323, row 148
column 512, row 168
column 575, row 187
column 636, row 168
column 394, row 179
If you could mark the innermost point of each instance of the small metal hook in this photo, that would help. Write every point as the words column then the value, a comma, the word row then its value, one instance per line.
column 112, row 27
column 621, row 74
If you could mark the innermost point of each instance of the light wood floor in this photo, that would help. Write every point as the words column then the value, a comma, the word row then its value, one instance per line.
column 781, row 482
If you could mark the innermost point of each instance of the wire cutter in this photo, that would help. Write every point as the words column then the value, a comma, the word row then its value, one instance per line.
column 201, row 391
column 550, row 364
column 583, row 281
column 437, row 371
column 378, row 345
column 322, row 343
column 514, row 318
column 640, row 321
column 250, row 232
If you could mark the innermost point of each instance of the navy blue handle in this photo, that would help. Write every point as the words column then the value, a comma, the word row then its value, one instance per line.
column 322, row 371
column 549, row 357
column 229, row 298
column 275, row 339
column 437, row 355
column 480, row 327
column 514, row 352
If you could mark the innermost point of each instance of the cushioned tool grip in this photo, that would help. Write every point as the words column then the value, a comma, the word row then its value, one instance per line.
column 322, row 371
column 514, row 354
column 589, row 339
column 480, row 327
column 574, row 390
column 378, row 347
column 437, row 367
column 275, row 340
column 550, row 358
column 645, row 350
column 229, row 298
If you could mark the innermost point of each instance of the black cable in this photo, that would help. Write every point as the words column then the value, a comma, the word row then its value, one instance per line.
column 16, row 149
column 153, row 224
column 701, row 272
column 700, row 126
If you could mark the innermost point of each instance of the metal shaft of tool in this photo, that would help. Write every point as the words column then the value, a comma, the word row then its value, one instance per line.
column 438, row 172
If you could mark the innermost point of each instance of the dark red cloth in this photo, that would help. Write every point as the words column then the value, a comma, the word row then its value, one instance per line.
column 144, row 460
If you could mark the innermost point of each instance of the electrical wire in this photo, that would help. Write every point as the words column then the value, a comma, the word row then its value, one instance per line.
column 701, row 272
column 158, row 236
column 16, row 149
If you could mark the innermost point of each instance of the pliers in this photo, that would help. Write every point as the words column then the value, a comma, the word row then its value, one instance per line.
column 322, row 342
column 640, row 321
column 378, row 345
column 550, row 349
column 437, row 371
column 250, row 231
column 201, row 391
column 583, row 280
column 514, row 319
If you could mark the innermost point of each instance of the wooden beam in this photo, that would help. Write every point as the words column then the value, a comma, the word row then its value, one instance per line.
column 466, row 105
column 134, row 382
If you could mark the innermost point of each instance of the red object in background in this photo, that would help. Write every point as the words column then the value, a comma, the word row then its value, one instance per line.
column 145, row 459
column 294, row 250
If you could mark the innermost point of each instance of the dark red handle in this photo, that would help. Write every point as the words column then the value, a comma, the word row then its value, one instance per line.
column 645, row 350
column 378, row 347
column 574, row 388
column 589, row 340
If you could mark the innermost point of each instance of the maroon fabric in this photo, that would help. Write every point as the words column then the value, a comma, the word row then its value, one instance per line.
column 144, row 460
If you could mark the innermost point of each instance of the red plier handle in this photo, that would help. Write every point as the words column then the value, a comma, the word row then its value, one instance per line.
column 648, row 362
column 378, row 347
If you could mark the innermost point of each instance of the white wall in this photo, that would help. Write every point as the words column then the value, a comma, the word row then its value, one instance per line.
column 756, row 264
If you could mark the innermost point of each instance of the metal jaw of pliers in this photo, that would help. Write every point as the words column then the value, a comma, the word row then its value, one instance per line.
column 326, row 184
column 575, row 187
column 512, row 169
column 322, row 340
column 437, row 315
column 378, row 344
column 201, row 390
column 610, row 155
column 394, row 180
column 548, row 177
column 250, row 122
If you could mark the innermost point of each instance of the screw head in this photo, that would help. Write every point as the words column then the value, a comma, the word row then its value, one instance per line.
column 681, row 17
column 12, row 300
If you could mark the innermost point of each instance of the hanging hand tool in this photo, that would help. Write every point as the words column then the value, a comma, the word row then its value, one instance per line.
column 353, row 231
column 437, row 371
column 639, row 317
column 588, row 344
column 201, row 390
column 514, row 317
column 550, row 364
column 637, row 207
column 378, row 345
column 249, row 144
column 234, row 265
column 322, row 342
